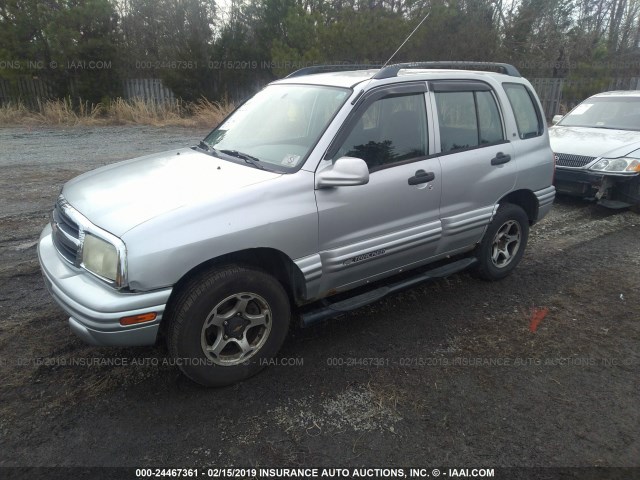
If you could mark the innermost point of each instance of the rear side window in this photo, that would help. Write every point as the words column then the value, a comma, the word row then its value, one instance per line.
column 468, row 119
column 528, row 117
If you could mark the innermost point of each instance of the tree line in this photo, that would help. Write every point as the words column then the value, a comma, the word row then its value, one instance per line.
column 216, row 49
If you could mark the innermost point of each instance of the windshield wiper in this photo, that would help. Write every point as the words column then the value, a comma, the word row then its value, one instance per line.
column 253, row 161
column 206, row 147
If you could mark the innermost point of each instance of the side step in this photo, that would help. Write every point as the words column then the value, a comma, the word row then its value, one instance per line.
column 333, row 309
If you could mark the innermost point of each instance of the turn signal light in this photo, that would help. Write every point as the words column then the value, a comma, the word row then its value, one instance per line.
column 142, row 318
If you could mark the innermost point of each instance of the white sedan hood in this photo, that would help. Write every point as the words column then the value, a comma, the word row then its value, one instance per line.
column 121, row 196
column 593, row 142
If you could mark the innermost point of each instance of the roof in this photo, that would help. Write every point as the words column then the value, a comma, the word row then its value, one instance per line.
column 335, row 79
column 618, row 93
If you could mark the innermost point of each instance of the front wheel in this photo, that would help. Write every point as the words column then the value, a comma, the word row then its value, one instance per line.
column 503, row 244
column 226, row 323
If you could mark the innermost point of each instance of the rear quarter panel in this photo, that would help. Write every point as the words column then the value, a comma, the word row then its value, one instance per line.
column 534, row 157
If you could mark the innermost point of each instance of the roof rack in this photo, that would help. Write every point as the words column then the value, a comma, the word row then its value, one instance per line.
column 330, row 68
column 392, row 70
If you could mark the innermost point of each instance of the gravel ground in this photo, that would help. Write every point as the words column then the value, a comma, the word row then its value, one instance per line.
column 447, row 373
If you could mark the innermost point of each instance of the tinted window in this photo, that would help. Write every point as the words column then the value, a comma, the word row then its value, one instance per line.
column 528, row 118
column 467, row 119
column 488, row 118
column 390, row 130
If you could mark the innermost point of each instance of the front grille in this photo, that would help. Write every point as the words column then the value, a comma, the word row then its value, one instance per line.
column 572, row 161
column 66, row 232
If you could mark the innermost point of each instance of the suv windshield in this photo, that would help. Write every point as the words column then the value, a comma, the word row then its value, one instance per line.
column 619, row 113
column 279, row 126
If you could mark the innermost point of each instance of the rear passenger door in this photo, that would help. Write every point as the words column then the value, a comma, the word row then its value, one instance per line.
column 477, row 160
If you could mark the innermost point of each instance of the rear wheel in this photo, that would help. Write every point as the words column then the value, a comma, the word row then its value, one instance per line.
column 503, row 243
column 226, row 323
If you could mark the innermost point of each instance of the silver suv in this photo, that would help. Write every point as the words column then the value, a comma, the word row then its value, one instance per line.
column 319, row 184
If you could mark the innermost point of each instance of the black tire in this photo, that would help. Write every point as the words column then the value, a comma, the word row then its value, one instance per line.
column 503, row 244
column 255, row 311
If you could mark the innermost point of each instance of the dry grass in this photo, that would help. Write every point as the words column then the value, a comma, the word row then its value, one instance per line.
column 206, row 113
column 202, row 113
column 13, row 114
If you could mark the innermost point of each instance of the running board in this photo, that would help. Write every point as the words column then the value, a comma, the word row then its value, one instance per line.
column 333, row 309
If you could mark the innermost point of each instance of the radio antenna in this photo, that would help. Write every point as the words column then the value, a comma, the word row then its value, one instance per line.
column 407, row 39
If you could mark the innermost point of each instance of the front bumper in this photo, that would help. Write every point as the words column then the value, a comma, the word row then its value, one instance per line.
column 611, row 190
column 95, row 309
column 578, row 182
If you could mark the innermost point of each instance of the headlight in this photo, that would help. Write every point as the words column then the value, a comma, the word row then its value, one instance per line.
column 619, row 165
column 101, row 258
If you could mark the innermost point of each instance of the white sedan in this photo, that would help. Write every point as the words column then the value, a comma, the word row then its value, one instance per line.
column 597, row 149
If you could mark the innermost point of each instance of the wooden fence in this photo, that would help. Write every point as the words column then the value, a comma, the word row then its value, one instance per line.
column 147, row 89
column 32, row 91
column 557, row 95
column 29, row 91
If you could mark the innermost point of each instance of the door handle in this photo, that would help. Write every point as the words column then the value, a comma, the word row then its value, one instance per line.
column 500, row 158
column 421, row 177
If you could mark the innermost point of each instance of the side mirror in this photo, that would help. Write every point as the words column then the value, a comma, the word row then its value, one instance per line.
column 345, row 171
column 556, row 119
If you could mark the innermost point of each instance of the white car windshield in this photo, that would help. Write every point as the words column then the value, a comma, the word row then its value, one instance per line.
column 278, row 127
column 618, row 113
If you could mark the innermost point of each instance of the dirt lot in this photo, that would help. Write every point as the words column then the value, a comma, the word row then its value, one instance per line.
column 457, row 377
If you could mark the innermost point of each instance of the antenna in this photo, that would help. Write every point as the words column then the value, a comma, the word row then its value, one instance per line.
column 407, row 39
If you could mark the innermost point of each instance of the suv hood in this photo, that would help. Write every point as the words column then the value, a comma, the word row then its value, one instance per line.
column 593, row 142
column 121, row 196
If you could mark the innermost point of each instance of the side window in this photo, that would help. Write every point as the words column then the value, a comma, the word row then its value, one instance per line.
column 528, row 117
column 488, row 118
column 468, row 119
column 390, row 130
column 457, row 118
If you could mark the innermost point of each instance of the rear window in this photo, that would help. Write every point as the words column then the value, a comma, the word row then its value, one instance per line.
column 527, row 115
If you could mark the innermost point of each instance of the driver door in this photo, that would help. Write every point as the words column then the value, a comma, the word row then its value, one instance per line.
column 393, row 221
